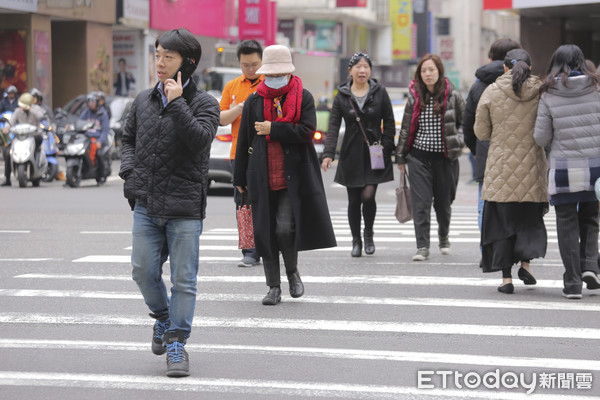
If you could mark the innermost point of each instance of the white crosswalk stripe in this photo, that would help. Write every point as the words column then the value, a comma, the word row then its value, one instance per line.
column 395, row 316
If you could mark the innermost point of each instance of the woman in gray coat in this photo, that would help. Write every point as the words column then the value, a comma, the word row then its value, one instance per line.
column 568, row 126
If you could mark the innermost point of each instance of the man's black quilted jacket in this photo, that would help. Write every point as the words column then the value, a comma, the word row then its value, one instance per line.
column 165, row 153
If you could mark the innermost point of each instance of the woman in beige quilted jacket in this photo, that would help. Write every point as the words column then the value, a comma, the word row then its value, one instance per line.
column 514, row 184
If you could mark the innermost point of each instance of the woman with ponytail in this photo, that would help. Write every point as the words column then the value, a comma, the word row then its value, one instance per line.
column 514, row 183
column 568, row 125
column 277, row 165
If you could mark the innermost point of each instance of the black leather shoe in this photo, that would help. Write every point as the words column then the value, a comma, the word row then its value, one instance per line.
column 6, row 183
column 296, row 285
column 369, row 244
column 356, row 248
column 273, row 297
column 526, row 277
column 507, row 288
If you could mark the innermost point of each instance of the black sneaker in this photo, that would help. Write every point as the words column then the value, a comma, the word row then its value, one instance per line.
column 572, row 296
column 160, row 326
column 178, row 362
column 591, row 280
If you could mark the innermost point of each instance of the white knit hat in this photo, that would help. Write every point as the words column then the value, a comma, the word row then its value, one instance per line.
column 276, row 60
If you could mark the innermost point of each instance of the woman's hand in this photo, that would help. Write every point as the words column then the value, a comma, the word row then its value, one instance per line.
column 326, row 163
column 241, row 189
column 263, row 128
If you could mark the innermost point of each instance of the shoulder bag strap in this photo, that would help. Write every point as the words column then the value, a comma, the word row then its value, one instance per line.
column 358, row 120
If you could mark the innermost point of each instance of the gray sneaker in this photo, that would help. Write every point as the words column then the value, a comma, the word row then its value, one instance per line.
column 160, row 326
column 248, row 262
column 178, row 362
column 422, row 254
column 444, row 245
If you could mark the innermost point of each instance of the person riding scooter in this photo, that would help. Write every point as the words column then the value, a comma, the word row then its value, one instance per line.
column 26, row 113
column 98, row 114
column 9, row 101
column 38, row 98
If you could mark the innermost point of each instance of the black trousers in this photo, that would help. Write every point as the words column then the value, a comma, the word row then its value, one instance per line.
column 577, row 230
column 7, row 162
column 102, row 160
column 431, row 182
column 283, row 230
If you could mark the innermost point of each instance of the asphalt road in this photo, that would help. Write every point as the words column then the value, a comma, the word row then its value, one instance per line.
column 73, row 325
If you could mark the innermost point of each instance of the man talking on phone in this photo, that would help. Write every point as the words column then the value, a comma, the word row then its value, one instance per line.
column 164, row 163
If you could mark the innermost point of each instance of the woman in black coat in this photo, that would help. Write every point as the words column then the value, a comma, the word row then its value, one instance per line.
column 364, row 98
column 277, row 164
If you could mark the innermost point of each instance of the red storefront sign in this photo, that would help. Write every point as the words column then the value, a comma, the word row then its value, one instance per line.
column 497, row 4
column 351, row 3
column 257, row 19
column 202, row 17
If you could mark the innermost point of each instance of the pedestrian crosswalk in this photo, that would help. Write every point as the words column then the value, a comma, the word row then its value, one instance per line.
column 374, row 327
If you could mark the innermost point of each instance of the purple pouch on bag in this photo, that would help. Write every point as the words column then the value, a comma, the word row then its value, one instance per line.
column 376, row 153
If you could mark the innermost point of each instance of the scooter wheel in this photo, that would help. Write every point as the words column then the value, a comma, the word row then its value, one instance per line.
column 22, row 175
column 51, row 173
column 73, row 177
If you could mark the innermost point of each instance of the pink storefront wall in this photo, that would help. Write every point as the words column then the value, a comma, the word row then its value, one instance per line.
column 202, row 17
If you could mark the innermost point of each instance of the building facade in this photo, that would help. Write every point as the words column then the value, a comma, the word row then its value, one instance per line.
column 62, row 47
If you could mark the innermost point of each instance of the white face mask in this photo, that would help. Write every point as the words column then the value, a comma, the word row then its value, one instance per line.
column 276, row 82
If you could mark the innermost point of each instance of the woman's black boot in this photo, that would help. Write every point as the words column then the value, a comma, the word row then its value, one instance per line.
column 356, row 247
column 369, row 244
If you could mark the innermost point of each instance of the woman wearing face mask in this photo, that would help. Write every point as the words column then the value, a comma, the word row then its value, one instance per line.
column 277, row 165
column 361, row 98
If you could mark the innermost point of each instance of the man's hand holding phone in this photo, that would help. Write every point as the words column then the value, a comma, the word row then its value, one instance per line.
column 173, row 89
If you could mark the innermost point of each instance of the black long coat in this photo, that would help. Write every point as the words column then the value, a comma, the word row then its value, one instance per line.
column 485, row 75
column 354, row 165
column 302, row 175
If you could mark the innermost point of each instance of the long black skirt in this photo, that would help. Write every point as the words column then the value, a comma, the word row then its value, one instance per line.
column 512, row 232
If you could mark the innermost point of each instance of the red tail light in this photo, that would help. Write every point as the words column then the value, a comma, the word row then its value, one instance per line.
column 224, row 138
column 318, row 135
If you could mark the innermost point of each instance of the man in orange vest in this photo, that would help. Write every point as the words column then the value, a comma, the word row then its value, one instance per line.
column 235, row 92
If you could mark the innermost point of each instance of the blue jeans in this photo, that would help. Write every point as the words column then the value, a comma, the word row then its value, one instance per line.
column 154, row 240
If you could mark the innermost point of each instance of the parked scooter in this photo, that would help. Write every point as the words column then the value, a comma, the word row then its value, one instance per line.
column 27, row 163
column 50, row 146
column 80, row 153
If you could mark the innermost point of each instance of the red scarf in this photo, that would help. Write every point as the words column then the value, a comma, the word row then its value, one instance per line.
column 289, row 111
column 293, row 102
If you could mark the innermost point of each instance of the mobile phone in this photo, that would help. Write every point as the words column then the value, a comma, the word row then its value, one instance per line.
column 187, row 69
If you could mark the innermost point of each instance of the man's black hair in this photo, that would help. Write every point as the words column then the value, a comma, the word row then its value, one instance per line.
column 122, row 59
column 500, row 47
column 182, row 41
column 249, row 47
